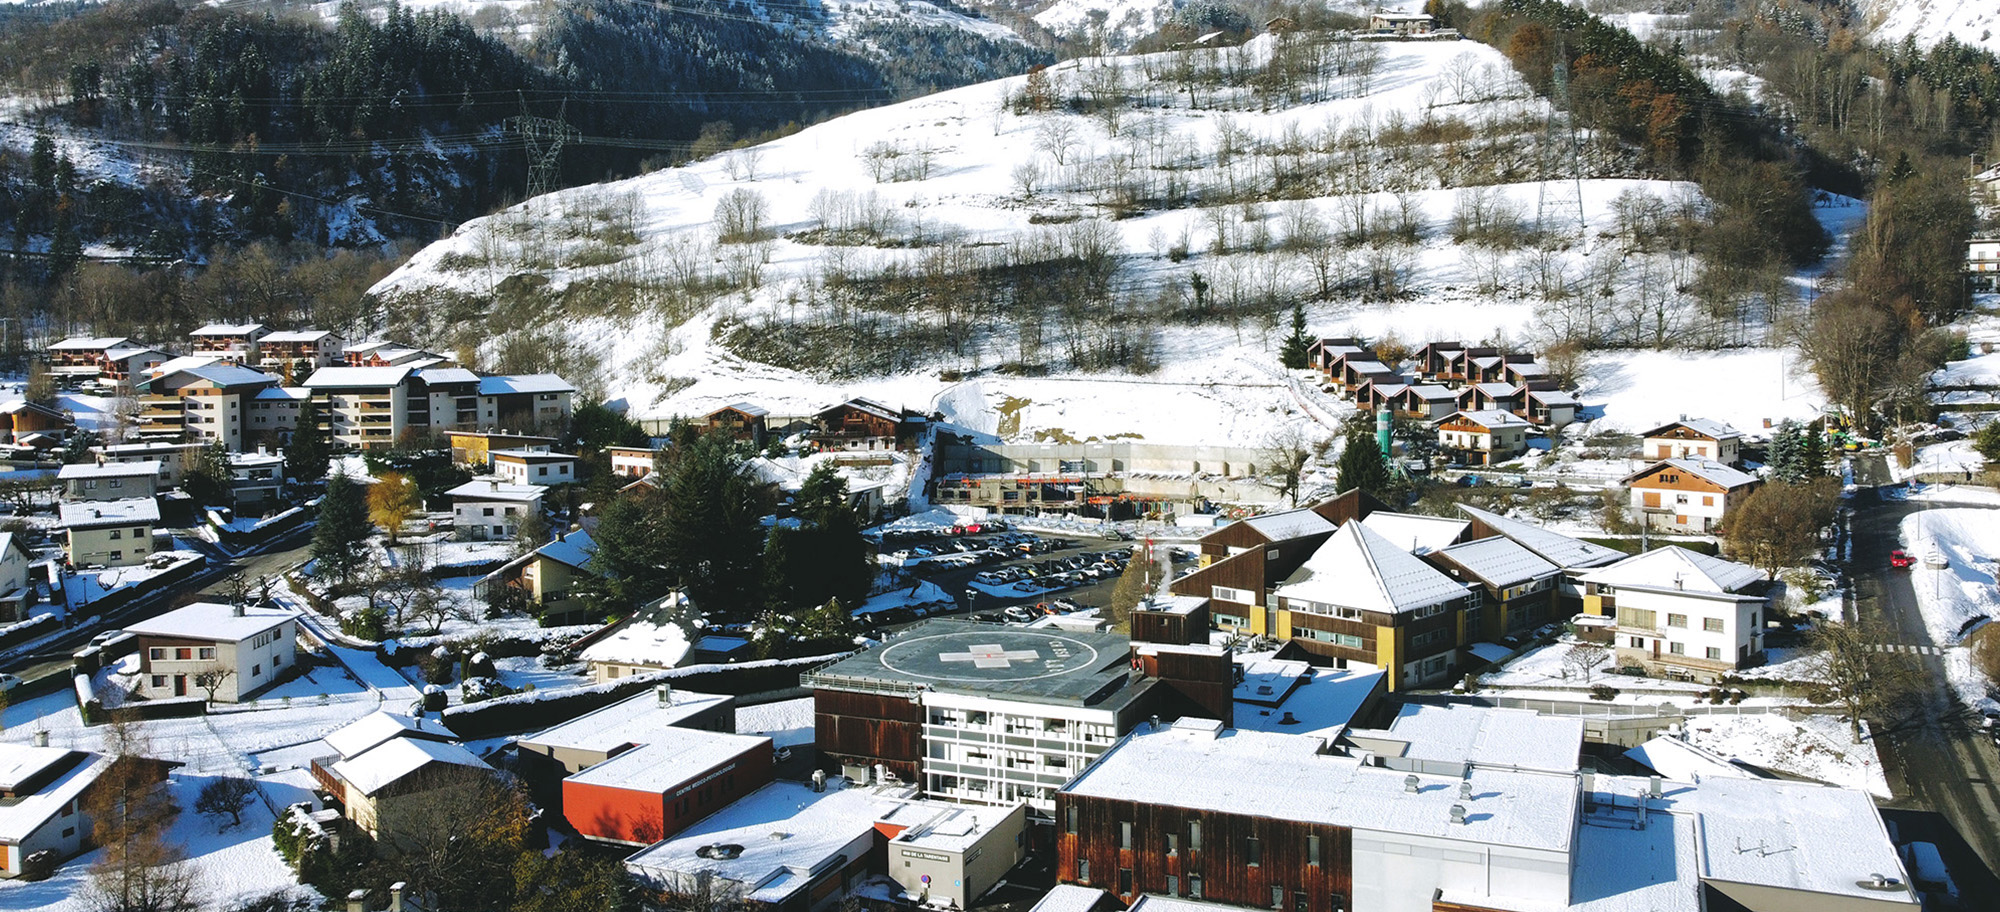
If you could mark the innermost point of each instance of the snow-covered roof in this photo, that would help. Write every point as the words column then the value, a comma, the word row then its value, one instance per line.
column 488, row 489
column 1415, row 533
column 638, row 719
column 293, row 393
column 99, row 513
column 649, row 639
column 357, row 737
column 214, row 622
column 227, row 375
column 865, row 405
column 1388, row 389
column 1173, row 604
column 1198, row 765
column 390, row 761
column 785, row 829
column 443, row 375
column 1527, row 369
column 181, row 363
column 1486, row 736
column 1154, row 902
column 668, row 757
column 1071, row 898
column 1500, row 561
column 132, row 351
column 254, row 460
column 227, row 329
column 1304, row 700
column 1367, row 367
column 1496, row 390
column 526, row 455
column 356, row 377
column 299, row 335
column 1676, row 568
column 1289, row 524
column 1358, row 568
column 21, row 762
column 91, row 343
column 1490, row 419
column 1710, row 428
column 1796, row 835
column 575, row 549
column 523, row 383
column 369, row 345
column 746, row 408
column 21, row 817
column 1728, row 477
column 1431, row 392
column 1683, row 762
column 1552, row 397
column 1554, row 547
column 75, row 470
column 150, row 446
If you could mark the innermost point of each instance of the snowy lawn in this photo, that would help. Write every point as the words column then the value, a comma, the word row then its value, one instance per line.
column 925, row 592
column 1962, row 592
column 1543, row 667
column 1814, row 746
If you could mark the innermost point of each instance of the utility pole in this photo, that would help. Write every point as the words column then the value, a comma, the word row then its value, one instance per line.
column 543, row 138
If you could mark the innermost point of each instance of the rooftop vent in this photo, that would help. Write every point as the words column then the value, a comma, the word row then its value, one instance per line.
column 1465, row 789
column 665, row 693
column 1458, row 814
column 1653, row 789
column 42, row 738
column 1880, row 883
column 1411, row 783
column 1287, row 719
column 236, row 611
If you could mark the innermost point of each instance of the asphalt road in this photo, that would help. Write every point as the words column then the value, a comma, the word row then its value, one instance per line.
column 1938, row 759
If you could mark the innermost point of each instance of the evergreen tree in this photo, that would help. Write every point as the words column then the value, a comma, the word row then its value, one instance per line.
column 1987, row 442
column 207, row 477
column 1783, row 457
column 630, row 566
column 1812, row 452
column 1296, row 351
column 712, row 532
column 778, row 569
column 343, row 526
column 307, row 456
column 1361, row 465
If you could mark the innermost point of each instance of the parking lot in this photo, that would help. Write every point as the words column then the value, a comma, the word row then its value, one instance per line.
column 992, row 570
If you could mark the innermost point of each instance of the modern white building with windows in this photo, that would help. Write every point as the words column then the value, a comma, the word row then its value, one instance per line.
column 491, row 510
column 248, row 646
column 1682, row 614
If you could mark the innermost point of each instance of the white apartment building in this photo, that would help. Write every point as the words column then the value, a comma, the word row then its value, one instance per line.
column 206, row 404
column 84, row 481
column 491, row 510
column 533, row 467
column 365, row 408
column 1681, row 614
column 251, row 645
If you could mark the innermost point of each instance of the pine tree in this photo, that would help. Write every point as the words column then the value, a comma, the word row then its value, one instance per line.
column 1783, row 457
column 343, row 525
column 1296, row 353
column 1361, row 465
column 207, row 477
column 307, row 457
column 1812, row 452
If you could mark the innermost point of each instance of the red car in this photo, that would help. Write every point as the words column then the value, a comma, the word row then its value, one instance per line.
column 1901, row 561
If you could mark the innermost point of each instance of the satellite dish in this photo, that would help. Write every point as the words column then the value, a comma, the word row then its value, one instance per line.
column 693, row 183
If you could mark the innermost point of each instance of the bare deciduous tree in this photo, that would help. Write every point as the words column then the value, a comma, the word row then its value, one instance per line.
column 1863, row 678
column 1584, row 659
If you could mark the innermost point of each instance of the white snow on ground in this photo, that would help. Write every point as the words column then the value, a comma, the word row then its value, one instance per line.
column 1815, row 746
column 1543, row 667
column 1216, row 383
column 228, row 865
column 1954, row 457
column 1944, row 493
column 923, row 593
column 1125, row 21
column 1952, row 597
column 1973, row 22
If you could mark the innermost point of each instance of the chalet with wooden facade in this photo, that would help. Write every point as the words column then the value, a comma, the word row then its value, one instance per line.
column 1326, row 354
column 1517, row 586
column 297, row 353
column 742, row 421
column 864, row 424
column 232, row 342
column 107, row 358
column 1693, row 438
column 1482, row 436
column 1240, row 563
column 1687, row 494
column 29, row 424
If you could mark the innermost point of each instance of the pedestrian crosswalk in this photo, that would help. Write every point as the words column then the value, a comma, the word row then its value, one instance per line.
column 1907, row 649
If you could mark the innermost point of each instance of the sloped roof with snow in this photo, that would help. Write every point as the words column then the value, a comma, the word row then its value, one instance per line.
column 290, row 393
column 523, row 383
column 1728, row 477
column 349, row 377
column 1358, row 568
column 389, row 762
column 1071, row 898
column 1289, row 524
column 575, row 549
column 180, row 364
column 1431, row 392
column 1416, row 533
column 1499, row 561
column 667, row 757
column 214, row 622
column 91, row 343
column 1552, row 397
column 362, row 734
column 439, row 376
column 1516, row 738
column 228, row 375
column 1554, row 547
column 637, row 719
column 143, row 469
column 746, row 408
column 1683, row 762
column 1490, row 419
column 299, row 335
column 227, row 329
column 21, row 817
column 1677, row 568
column 1706, row 427
column 100, row 513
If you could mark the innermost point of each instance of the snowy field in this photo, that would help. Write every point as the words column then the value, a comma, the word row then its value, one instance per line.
column 1214, row 382
column 1814, row 746
column 1953, row 597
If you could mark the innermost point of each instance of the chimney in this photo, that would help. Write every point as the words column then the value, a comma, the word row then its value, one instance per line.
column 665, row 692
column 357, row 901
column 42, row 738
column 1653, row 789
column 236, row 611
column 1156, row 722
column 819, row 780
column 1465, row 789
column 396, row 896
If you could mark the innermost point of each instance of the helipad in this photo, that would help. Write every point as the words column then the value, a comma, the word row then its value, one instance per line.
column 972, row 657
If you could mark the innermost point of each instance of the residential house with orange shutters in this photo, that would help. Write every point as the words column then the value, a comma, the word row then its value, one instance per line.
column 1687, row 494
column 1697, row 438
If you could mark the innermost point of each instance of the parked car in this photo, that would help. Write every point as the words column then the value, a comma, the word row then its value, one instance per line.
column 8, row 682
column 1901, row 560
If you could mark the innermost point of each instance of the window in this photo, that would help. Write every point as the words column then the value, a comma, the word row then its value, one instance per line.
column 68, row 832
column 1432, row 638
column 117, row 555
column 1636, row 642
column 1173, row 885
column 486, row 511
column 1253, row 851
column 139, row 532
column 1194, row 838
column 256, row 671
column 1239, row 596
column 159, row 681
column 1083, row 870
column 1677, row 648
column 1194, row 886
column 1124, row 881
column 1715, row 653
column 1638, row 617
column 1312, row 851
column 1712, row 625
column 206, row 652
column 1173, row 844
column 1277, row 897
column 183, row 653
column 156, row 653
column 1337, row 902
column 1300, row 901
column 1677, row 620
column 1072, row 820
column 1124, row 834
column 117, row 534
column 1430, row 611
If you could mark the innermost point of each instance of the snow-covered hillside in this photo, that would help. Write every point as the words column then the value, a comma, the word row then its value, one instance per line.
column 1117, row 23
column 1974, row 22
column 961, row 174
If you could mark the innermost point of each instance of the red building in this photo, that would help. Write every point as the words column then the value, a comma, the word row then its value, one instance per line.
column 655, row 790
